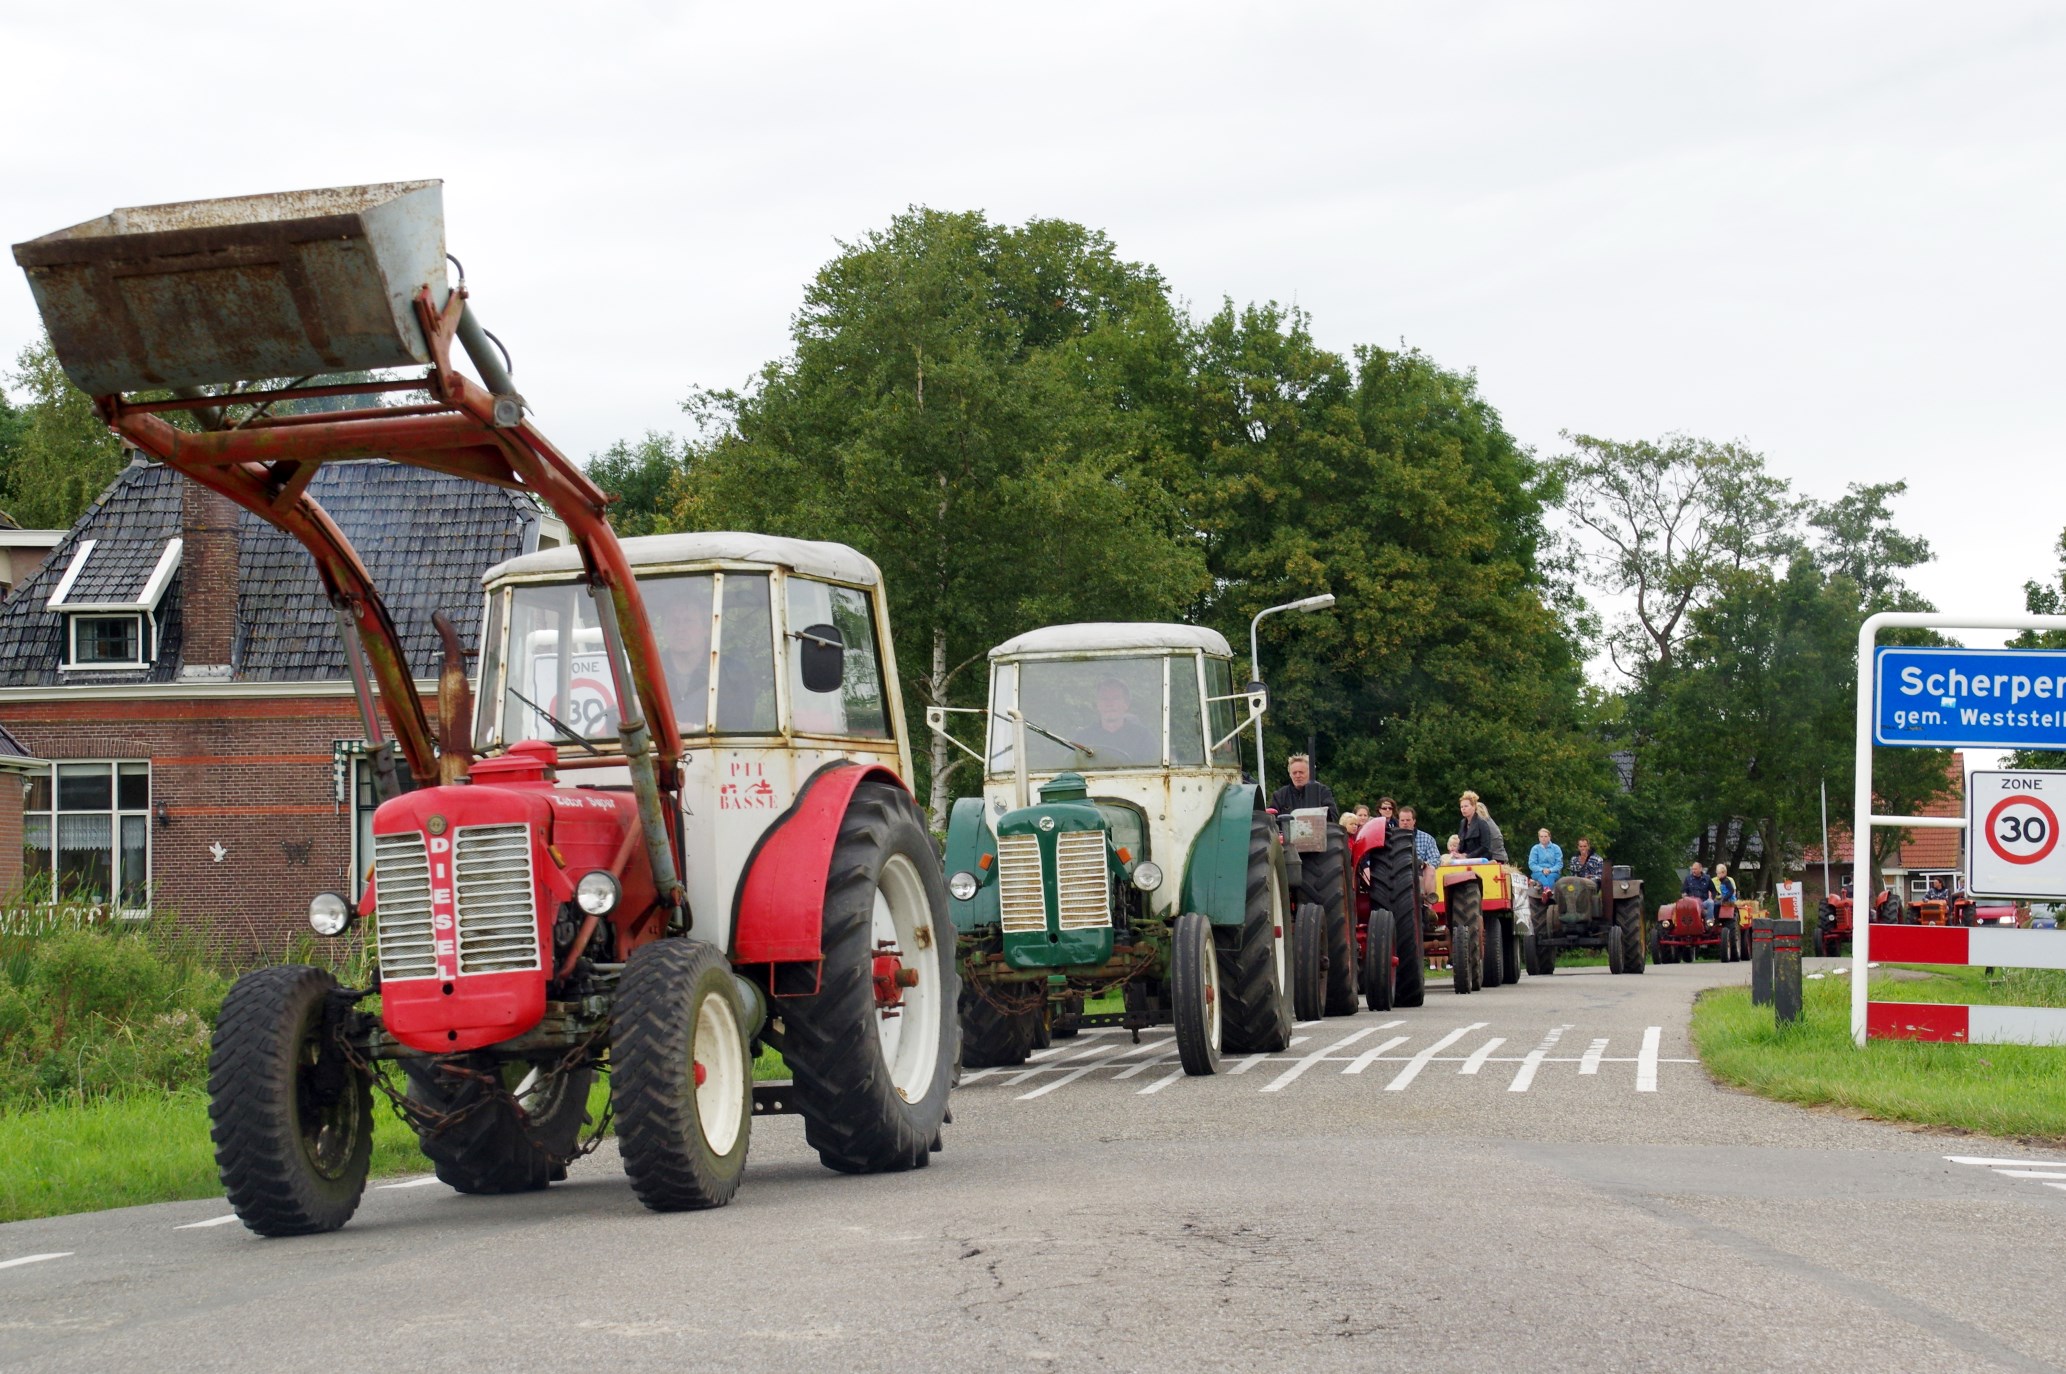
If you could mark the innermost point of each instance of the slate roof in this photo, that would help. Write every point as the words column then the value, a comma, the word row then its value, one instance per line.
column 425, row 537
column 118, row 568
column 10, row 747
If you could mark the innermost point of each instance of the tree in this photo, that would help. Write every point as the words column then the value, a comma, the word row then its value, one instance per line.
column 642, row 477
column 60, row 456
column 2043, row 598
column 969, row 405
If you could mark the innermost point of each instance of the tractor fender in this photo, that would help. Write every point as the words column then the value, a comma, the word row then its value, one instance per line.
column 1216, row 871
column 969, row 841
column 779, row 909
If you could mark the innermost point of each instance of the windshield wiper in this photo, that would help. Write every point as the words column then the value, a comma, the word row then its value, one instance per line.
column 1088, row 752
column 556, row 723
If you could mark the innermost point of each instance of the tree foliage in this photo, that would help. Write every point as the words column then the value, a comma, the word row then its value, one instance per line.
column 55, row 454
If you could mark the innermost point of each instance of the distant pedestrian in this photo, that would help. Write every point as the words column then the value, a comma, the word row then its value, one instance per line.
column 1546, row 860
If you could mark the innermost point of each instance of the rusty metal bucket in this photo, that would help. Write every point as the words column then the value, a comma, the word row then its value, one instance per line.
column 208, row 292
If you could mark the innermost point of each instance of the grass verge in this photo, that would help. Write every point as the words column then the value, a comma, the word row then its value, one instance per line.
column 2000, row 1090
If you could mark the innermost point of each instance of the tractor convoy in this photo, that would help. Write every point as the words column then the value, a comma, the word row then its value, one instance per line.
column 666, row 822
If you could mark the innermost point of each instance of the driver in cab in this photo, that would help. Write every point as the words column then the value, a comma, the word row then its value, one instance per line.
column 1117, row 736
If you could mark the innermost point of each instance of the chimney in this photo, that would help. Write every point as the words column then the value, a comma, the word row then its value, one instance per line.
column 208, row 580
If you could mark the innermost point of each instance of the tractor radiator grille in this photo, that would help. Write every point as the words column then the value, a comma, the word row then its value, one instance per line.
column 1022, row 909
column 401, row 893
column 1082, row 880
column 498, row 912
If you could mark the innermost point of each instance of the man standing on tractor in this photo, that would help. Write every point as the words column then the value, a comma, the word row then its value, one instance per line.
column 1546, row 859
column 1302, row 792
column 1585, row 863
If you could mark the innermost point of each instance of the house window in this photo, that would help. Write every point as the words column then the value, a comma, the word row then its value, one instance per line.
column 107, row 641
column 86, row 830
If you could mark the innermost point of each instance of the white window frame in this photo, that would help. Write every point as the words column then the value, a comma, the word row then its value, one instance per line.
column 146, row 641
column 115, row 813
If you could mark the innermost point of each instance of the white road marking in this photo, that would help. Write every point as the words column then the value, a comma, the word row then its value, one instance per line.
column 1420, row 1061
column 1590, row 1063
column 1481, row 1054
column 2060, row 1186
column 411, row 1183
column 1131, row 1069
column 34, row 1259
column 1532, row 1061
column 212, row 1221
column 1094, row 1052
column 2030, row 1173
column 1371, row 1056
column 1646, row 1060
column 1254, row 1059
column 1076, row 1073
column 1159, row 1084
column 2008, row 1163
column 1291, row 1074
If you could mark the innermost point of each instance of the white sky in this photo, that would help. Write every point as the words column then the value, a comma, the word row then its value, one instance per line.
column 1832, row 231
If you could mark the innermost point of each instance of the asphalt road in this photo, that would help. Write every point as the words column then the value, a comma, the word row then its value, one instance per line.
column 1537, row 1177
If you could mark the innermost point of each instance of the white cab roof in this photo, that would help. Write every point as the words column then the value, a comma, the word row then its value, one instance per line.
column 810, row 557
column 1104, row 637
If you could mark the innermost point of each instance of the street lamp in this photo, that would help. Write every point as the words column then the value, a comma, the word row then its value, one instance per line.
column 1255, row 670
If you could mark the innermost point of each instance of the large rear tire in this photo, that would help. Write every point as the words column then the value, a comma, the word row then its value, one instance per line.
column 1616, row 956
column 1194, row 980
column 1493, row 965
column 1628, row 917
column 1255, row 1004
column 1394, row 881
column 1513, row 960
column 872, row 1075
column 991, row 1036
column 681, row 1076
column 1380, row 981
column 1309, row 962
column 1467, row 936
column 1327, row 883
column 291, row 1119
column 500, row 1145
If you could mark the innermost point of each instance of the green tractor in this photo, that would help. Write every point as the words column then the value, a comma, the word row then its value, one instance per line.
column 1117, row 848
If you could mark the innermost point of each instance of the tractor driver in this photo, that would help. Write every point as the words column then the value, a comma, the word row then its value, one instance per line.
column 1302, row 792
column 1585, row 863
column 686, row 662
column 1117, row 735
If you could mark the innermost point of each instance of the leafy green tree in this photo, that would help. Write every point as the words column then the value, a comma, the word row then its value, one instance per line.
column 2043, row 598
column 642, row 477
column 60, row 456
column 970, row 405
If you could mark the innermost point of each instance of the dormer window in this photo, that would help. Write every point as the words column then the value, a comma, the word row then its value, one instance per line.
column 109, row 597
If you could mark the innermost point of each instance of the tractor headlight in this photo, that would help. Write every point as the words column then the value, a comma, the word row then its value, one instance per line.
column 1147, row 876
column 329, row 914
column 962, row 886
column 596, row 893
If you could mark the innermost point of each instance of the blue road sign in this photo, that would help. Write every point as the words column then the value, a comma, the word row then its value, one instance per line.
column 1969, row 698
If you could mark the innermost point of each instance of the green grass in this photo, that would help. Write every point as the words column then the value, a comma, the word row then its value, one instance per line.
column 2002, row 988
column 2001, row 1090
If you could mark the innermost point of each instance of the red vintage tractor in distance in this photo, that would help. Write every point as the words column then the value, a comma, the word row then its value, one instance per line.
column 678, row 829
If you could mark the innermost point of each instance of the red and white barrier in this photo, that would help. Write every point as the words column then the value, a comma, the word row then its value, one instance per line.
column 1967, row 1025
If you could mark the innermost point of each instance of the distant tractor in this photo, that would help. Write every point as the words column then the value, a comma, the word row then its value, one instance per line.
column 1116, row 848
column 1683, row 930
column 1390, row 910
column 678, row 829
column 1472, row 921
column 1584, row 913
column 1833, row 930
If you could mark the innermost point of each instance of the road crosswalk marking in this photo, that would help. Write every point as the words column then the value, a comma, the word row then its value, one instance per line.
column 1421, row 1060
column 2041, row 1171
column 1524, row 1077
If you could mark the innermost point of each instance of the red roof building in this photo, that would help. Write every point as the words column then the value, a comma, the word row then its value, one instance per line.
column 1925, row 854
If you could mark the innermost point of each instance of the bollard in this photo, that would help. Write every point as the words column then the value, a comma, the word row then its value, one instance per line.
column 1761, row 961
column 1786, row 970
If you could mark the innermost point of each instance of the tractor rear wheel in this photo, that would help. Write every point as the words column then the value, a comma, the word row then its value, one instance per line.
column 681, row 1079
column 992, row 1036
column 873, row 1052
column 1308, row 962
column 1380, row 983
column 1467, row 936
column 1493, row 963
column 1512, row 962
column 1327, row 883
column 1616, row 957
column 1255, row 1003
column 1628, row 918
column 1194, row 984
column 1395, row 887
column 503, row 1144
column 291, row 1118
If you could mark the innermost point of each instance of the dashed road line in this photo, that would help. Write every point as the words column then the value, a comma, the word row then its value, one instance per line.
column 203, row 1225
column 1481, row 1054
column 1290, row 1075
column 1646, row 1059
column 1072, row 1075
column 35, row 1259
column 1524, row 1078
column 1372, row 1055
column 1159, row 1084
column 1590, row 1063
column 1421, row 1060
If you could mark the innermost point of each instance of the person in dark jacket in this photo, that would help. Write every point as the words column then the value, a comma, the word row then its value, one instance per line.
column 1585, row 863
column 1699, row 885
column 1302, row 792
column 1474, row 836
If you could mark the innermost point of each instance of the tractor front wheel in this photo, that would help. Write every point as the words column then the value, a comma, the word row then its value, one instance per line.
column 992, row 1035
column 291, row 1117
column 1512, row 962
column 519, row 1126
column 1065, row 1019
column 1380, row 979
column 1194, row 985
column 1617, row 958
column 1466, row 936
column 1255, row 1004
column 1628, row 918
column 681, row 1077
column 873, row 1051
column 1308, row 962
column 1327, row 882
column 1493, row 964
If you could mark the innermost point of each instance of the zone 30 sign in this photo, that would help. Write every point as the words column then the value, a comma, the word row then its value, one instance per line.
column 2012, row 821
column 1970, row 698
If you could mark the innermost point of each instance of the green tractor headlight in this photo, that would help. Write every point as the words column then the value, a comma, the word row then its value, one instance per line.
column 1147, row 876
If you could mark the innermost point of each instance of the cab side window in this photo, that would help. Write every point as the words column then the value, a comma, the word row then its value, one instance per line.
column 855, row 709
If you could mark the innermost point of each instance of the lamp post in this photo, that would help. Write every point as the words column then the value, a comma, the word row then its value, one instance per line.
column 1255, row 669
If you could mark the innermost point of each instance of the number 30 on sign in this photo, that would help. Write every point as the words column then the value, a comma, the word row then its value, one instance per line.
column 2012, row 835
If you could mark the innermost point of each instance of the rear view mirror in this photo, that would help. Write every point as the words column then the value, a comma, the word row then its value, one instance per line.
column 821, row 658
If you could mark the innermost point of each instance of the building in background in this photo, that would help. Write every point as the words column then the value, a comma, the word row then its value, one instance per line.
column 22, row 551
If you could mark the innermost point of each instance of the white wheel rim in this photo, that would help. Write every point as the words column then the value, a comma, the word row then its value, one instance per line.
column 720, row 1061
column 1212, row 991
column 1282, row 951
column 909, row 1033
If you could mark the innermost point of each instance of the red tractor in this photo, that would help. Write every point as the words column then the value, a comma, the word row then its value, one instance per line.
column 1834, row 930
column 1390, row 907
column 1684, row 929
column 679, row 828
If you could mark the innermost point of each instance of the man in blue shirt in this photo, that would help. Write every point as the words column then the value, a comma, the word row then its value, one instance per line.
column 1698, row 884
column 1546, row 860
column 1424, row 847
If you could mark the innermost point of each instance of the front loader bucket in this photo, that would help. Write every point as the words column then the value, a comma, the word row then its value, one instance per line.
column 208, row 292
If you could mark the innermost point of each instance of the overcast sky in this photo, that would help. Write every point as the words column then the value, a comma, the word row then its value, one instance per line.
column 1830, row 231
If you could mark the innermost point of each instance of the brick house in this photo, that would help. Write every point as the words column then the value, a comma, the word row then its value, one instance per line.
column 174, row 691
column 1925, row 854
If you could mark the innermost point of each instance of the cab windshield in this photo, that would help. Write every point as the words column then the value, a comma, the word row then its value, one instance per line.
column 1099, row 714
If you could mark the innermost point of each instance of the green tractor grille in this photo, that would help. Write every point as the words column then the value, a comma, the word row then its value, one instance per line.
column 1020, row 906
column 1083, row 894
